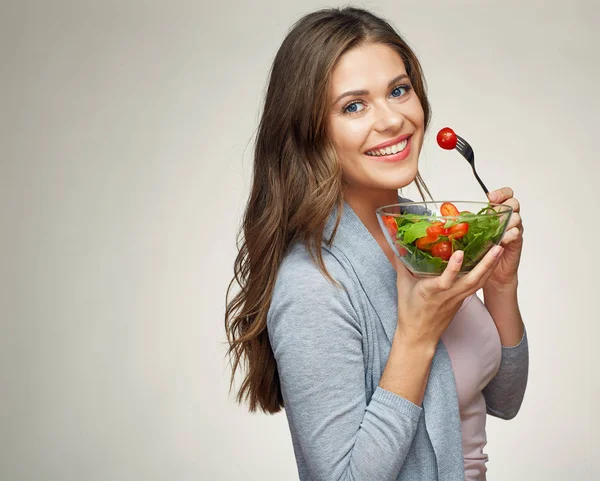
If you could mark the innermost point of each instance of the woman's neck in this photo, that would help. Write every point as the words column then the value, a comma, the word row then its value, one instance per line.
column 364, row 204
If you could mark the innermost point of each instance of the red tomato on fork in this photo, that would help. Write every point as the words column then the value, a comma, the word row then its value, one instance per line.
column 446, row 138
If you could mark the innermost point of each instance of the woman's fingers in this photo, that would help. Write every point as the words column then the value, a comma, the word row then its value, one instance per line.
column 501, row 195
column 472, row 281
column 514, row 203
column 512, row 235
column 448, row 277
column 515, row 221
column 449, row 282
column 488, row 273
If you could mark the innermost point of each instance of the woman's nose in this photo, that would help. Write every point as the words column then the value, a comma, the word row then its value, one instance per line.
column 388, row 120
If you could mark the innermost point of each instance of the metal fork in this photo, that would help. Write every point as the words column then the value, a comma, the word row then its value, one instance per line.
column 467, row 152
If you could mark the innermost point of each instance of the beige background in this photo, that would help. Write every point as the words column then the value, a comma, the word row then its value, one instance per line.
column 125, row 164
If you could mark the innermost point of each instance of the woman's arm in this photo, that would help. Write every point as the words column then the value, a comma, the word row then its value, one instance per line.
column 504, row 394
column 317, row 341
column 503, row 305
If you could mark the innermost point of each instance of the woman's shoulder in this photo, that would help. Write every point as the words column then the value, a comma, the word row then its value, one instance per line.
column 300, row 269
column 300, row 279
column 305, row 300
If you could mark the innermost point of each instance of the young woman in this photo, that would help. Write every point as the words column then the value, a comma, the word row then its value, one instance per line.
column 383, row 376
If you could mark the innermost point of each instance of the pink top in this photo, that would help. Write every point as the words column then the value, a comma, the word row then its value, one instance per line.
column 473, row 344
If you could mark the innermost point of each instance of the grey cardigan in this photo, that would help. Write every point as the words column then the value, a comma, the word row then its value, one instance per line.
column 331, row 345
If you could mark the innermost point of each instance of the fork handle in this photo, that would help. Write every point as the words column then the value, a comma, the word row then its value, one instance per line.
column 485, row 189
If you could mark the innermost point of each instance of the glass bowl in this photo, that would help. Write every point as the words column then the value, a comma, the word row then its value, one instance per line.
column 423, row 235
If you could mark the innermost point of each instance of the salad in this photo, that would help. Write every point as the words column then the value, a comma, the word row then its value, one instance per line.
column 428, row 243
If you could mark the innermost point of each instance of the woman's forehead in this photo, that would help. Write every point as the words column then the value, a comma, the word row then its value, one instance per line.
column 366, row 67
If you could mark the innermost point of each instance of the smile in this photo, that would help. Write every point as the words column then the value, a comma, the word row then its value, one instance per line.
column 392, row 149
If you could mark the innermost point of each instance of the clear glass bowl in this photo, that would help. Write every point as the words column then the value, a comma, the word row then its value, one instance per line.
column 423, row 235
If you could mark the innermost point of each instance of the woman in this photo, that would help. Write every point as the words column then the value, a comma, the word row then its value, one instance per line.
column 383, row 376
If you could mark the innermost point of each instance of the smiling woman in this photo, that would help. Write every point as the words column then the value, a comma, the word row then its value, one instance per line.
column 377, row 131
column 363, row 125
column 368, row 361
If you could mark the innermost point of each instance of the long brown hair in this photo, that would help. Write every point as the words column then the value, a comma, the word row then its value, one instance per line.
column 297, row 180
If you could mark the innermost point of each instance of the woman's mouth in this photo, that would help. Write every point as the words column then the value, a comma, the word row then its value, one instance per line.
column 392, row 153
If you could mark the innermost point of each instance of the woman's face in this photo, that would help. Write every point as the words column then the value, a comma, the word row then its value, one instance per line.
column 376, row 120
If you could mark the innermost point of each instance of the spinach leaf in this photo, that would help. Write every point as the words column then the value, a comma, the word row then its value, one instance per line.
column 416, row 231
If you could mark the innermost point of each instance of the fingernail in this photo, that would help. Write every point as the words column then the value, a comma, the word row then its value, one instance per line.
column 459, row 256
column 497, row 251
column 493, row 197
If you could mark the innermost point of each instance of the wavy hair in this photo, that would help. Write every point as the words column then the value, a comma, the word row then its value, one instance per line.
column 297, row 180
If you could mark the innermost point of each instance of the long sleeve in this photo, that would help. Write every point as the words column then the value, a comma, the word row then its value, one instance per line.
column 316, row 338
column 504, row 394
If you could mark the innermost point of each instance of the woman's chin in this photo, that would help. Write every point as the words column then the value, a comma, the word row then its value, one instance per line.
column 398, row 181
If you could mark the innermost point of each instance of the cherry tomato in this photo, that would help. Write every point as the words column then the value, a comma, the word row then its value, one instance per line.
column 446, row 138
column 391, row 225
column 449, row 209
column 436, row 230
column 425, row 243
column 442, row 250
column 458, row 230
column 390, row 222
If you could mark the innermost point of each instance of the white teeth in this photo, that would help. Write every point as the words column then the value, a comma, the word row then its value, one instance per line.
column 394, row 149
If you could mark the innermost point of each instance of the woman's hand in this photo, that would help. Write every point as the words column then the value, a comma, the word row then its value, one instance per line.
column 506, row 271
column 426, row 306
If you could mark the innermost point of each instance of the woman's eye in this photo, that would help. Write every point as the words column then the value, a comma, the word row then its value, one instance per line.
column 354, row 107
column 399, row 91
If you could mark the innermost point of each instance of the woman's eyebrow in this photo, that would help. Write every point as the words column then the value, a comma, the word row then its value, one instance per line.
column 356, row 93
